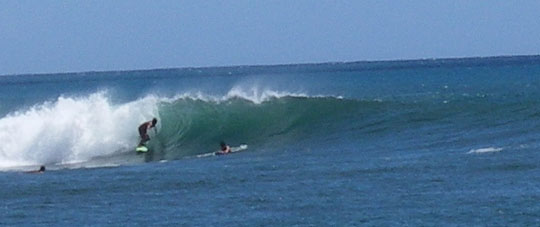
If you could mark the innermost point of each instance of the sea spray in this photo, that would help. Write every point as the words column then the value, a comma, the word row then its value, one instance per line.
column 71, row 130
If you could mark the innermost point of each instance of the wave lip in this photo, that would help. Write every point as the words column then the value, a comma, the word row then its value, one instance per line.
column 485, row 150
column 254, row 95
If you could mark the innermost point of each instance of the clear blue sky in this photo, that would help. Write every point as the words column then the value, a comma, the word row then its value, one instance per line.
column 43, row 36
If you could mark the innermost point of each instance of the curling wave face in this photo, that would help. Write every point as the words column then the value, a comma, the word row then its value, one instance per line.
column 79, row 129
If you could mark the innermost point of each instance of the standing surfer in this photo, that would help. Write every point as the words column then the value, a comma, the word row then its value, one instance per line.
column 143, row 130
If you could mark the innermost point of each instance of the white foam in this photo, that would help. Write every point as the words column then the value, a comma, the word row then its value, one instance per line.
column 239, row 148
column 253, row 94
column 72, row 130
column 485, row 150
column 257, row 95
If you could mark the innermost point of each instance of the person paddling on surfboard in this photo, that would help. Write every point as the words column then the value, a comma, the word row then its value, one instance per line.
column 41, row 170
column 143, row 130
column 224, row 148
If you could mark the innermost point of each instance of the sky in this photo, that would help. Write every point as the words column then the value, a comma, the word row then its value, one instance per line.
column 45, row 36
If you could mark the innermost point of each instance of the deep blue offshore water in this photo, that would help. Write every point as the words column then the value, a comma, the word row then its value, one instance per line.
column 421, row 143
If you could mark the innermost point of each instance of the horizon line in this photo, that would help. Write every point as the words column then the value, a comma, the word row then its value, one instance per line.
column 412, row 60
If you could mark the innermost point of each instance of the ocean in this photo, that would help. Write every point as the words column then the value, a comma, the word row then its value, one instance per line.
column 433, row 142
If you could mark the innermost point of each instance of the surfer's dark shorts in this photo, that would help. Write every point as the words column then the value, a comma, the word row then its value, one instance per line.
column 144, row 138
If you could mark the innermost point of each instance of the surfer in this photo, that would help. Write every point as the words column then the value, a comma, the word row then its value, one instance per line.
column 41, row 170
column 143, row 130
column 224, row 148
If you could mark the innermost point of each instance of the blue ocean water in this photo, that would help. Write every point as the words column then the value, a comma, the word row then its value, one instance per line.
column 432, row 142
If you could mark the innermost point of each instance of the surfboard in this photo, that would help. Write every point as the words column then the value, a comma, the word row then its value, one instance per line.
column 141, row 149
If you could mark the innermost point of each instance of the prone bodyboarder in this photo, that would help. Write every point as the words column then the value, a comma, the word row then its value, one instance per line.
column 41, row 170
column 224, row 149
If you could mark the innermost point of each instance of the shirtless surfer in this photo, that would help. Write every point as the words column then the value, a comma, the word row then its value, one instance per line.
column 143, row 130
column 225, row 149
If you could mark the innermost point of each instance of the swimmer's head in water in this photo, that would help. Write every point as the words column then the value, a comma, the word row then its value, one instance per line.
column 154, row 122
column 42, row 168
